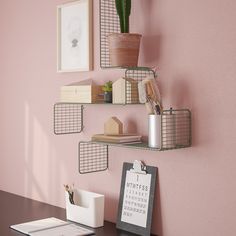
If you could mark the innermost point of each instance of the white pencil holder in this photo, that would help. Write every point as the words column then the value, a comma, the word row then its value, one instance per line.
column 88, row 208
column 154, row 131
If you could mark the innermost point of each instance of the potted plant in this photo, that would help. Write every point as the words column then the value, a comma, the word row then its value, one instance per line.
column 124, row 46
column 107, row 89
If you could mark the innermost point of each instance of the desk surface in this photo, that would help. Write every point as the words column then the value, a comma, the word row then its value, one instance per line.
column 15, row 209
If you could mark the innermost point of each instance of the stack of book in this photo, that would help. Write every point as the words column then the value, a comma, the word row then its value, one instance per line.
column 81, row 92
column 123, row 138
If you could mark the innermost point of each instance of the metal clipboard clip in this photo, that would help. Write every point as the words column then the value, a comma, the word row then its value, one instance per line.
column 138, row 167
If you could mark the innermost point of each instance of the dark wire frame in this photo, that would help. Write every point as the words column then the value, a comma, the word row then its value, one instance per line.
column 93, row 157
column 68, row 118
column 176, row 129
column 109, row 23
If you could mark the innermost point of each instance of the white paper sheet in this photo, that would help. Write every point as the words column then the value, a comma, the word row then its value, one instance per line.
column 136, row 197
column 66, row 230
column 51, row 227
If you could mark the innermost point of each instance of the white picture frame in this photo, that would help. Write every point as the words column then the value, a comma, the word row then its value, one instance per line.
column 74, row 36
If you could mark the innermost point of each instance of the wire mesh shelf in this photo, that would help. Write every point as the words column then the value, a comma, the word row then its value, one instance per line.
column 175, row 134
column 109, row 23
column 68, row 118
column 93, row 157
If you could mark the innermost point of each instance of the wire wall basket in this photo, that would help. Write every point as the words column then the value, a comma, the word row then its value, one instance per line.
column 68, row 118
column 175, row 129
column 109, row 23
column 175, row 134
column 93, row 157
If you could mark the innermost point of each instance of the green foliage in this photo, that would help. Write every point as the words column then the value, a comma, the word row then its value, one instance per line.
column 107, row 87
column 123, row 8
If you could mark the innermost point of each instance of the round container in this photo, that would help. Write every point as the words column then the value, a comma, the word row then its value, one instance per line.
column 154, row 131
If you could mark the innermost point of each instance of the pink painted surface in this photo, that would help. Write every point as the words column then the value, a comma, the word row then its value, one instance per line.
column 193, row 45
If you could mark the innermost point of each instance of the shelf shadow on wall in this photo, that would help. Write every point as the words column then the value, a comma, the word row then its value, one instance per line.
column 152, row 38
column 150, row 49
column 181, row 97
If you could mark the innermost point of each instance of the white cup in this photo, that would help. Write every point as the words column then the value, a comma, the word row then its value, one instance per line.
column 154, row 131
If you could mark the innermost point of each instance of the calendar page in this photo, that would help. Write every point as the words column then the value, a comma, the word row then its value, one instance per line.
column 136, row 198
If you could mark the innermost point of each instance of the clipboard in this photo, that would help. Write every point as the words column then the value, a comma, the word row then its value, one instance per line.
column 136, row 200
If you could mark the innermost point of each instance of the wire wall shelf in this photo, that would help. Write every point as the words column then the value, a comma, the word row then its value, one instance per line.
column 68, row 118
column 93, row 157
column 175, row 134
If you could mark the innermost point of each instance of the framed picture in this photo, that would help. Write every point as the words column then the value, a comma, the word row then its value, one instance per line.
column 136, row 198
column 74, row 36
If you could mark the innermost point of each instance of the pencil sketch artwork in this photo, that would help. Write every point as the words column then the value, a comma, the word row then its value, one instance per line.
column 74, row 37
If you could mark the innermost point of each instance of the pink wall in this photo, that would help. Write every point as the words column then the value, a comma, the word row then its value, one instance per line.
column 193, row 44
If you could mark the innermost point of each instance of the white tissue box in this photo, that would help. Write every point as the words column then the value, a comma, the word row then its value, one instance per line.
column 88, row 208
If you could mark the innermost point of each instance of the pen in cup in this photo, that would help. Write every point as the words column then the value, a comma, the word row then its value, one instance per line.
column 70, row 193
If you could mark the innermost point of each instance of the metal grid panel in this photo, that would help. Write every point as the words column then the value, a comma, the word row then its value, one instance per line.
column 93, row 157
column 133, row 76
column 176, row 129
column 109, row 23
column 68, row 118
column 140, row 73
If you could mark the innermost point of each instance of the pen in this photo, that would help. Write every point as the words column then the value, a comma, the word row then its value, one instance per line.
column 70, row 192
column 157, row 109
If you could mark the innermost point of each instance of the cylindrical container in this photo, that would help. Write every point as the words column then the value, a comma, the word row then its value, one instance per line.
column 154, row 131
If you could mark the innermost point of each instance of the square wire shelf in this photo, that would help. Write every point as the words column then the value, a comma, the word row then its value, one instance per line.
column 68, row 118
column 93, row 157
column 175, row 132
column 109, row 23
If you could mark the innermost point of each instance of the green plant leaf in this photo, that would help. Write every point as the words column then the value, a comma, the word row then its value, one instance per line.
column 123, row 8
column 107, row 87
